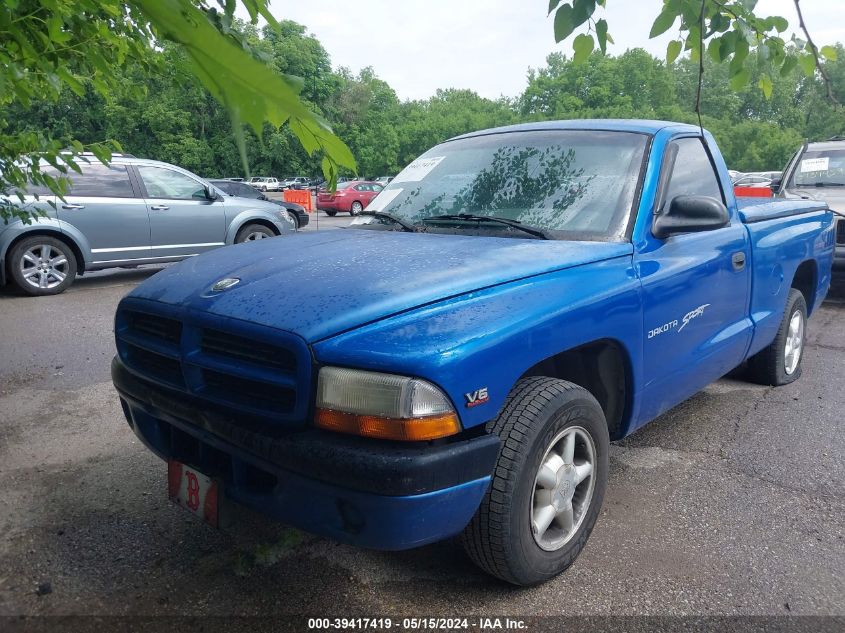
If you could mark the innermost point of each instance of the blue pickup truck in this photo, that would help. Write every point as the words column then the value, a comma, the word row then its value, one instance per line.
column 458, row 360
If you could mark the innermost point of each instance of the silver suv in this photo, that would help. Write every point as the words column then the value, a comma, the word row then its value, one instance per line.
column 132, row 212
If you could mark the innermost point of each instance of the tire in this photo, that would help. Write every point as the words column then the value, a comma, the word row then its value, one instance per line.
column 770, row 365
column 294, row 218
column 55, row 258
column 501, row 536
column 331, row 214
column 356, row 208
column 264, row 189
column 252, row 232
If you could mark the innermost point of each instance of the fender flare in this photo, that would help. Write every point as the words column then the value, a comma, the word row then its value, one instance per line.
column 254, row 215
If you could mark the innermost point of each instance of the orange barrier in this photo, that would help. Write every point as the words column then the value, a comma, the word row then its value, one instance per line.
column 753, row 192
column 299, row 196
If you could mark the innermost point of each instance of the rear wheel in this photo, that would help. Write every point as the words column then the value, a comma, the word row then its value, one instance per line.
column 252, row 232
column 548, row 485
column 780, row 362
column 42, row 265
column 356, row 208
column 294, row 218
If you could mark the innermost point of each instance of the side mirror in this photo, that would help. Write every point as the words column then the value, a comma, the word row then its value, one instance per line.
column 776, row 184
column 210, row 194
column 690, row 214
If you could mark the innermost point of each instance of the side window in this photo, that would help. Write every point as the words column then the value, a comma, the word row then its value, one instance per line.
column 101, row 181
column 361, row 188
column 692, row 174
column 166, row 183
column 377, row 188
column 39, row 190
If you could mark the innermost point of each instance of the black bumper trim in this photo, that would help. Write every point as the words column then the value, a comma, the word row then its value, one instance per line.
column 366, row 465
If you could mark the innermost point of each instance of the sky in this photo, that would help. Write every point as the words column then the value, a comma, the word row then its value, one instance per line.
column 418, row 46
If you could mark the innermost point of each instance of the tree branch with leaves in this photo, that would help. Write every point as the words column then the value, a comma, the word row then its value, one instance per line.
column 730, row 29
column 55, row 45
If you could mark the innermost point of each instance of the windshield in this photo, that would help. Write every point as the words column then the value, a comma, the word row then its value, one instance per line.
column 573, row 184
column 820, row 168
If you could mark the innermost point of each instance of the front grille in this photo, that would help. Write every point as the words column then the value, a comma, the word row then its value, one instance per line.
column 248, row 393
column 168, row 370
column 840, row 231
column 260, row 372
column 224, row 344
column 168, row 330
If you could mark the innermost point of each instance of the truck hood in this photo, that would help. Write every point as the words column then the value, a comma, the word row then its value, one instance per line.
column 834, row 196
column 319, row 284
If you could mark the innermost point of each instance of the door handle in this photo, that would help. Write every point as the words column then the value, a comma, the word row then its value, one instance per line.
column 738, row 261
column 72, row 206
column 159, row 207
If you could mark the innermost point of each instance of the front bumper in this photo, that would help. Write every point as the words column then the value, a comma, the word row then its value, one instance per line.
column 381, row 495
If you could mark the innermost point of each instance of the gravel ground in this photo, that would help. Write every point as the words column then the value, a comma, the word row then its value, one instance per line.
column 730, row 504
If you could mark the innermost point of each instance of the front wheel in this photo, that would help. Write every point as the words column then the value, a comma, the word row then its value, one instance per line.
column 548, row 485
column 780, row 362
column 42, row 265
column 331, row 214
column 294, row 218
column 356, row 208
column 252, row 232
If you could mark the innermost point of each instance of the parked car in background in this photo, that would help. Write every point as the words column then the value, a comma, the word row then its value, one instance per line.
column 383, row 180
column 132, row 212
column 734, row 174
column 350, row 197
column 817, row 171
column 752, row 180
column 297, row 212
column 266, row 183
column 295, row 182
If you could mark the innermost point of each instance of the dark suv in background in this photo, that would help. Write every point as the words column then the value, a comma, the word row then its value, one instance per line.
column 297, row 212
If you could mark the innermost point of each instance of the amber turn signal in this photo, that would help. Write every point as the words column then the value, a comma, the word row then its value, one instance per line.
column 405, row 429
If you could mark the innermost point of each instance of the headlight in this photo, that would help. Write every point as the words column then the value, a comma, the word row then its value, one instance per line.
column 380, row 405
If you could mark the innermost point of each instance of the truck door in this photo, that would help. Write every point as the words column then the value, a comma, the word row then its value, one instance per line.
column 695, row 289
column 182, row 220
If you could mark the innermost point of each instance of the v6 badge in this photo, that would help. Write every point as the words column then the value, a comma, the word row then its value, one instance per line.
column 477, row 397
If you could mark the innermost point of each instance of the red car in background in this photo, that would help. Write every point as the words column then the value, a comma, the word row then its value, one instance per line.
column 351, row 196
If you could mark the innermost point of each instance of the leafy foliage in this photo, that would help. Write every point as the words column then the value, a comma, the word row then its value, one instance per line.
column 51, row 47
column 731, row 30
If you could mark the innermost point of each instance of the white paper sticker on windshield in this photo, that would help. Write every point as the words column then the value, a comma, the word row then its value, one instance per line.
column 418, row 170
column 383, row 199
column 815, row 164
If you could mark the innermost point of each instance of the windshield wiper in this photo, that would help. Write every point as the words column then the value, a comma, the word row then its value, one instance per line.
column 829, row 184
column 515, row 224
column 389, row 216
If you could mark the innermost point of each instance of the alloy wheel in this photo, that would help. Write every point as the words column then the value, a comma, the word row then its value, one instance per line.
column 44, row 266
column 563, row 488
